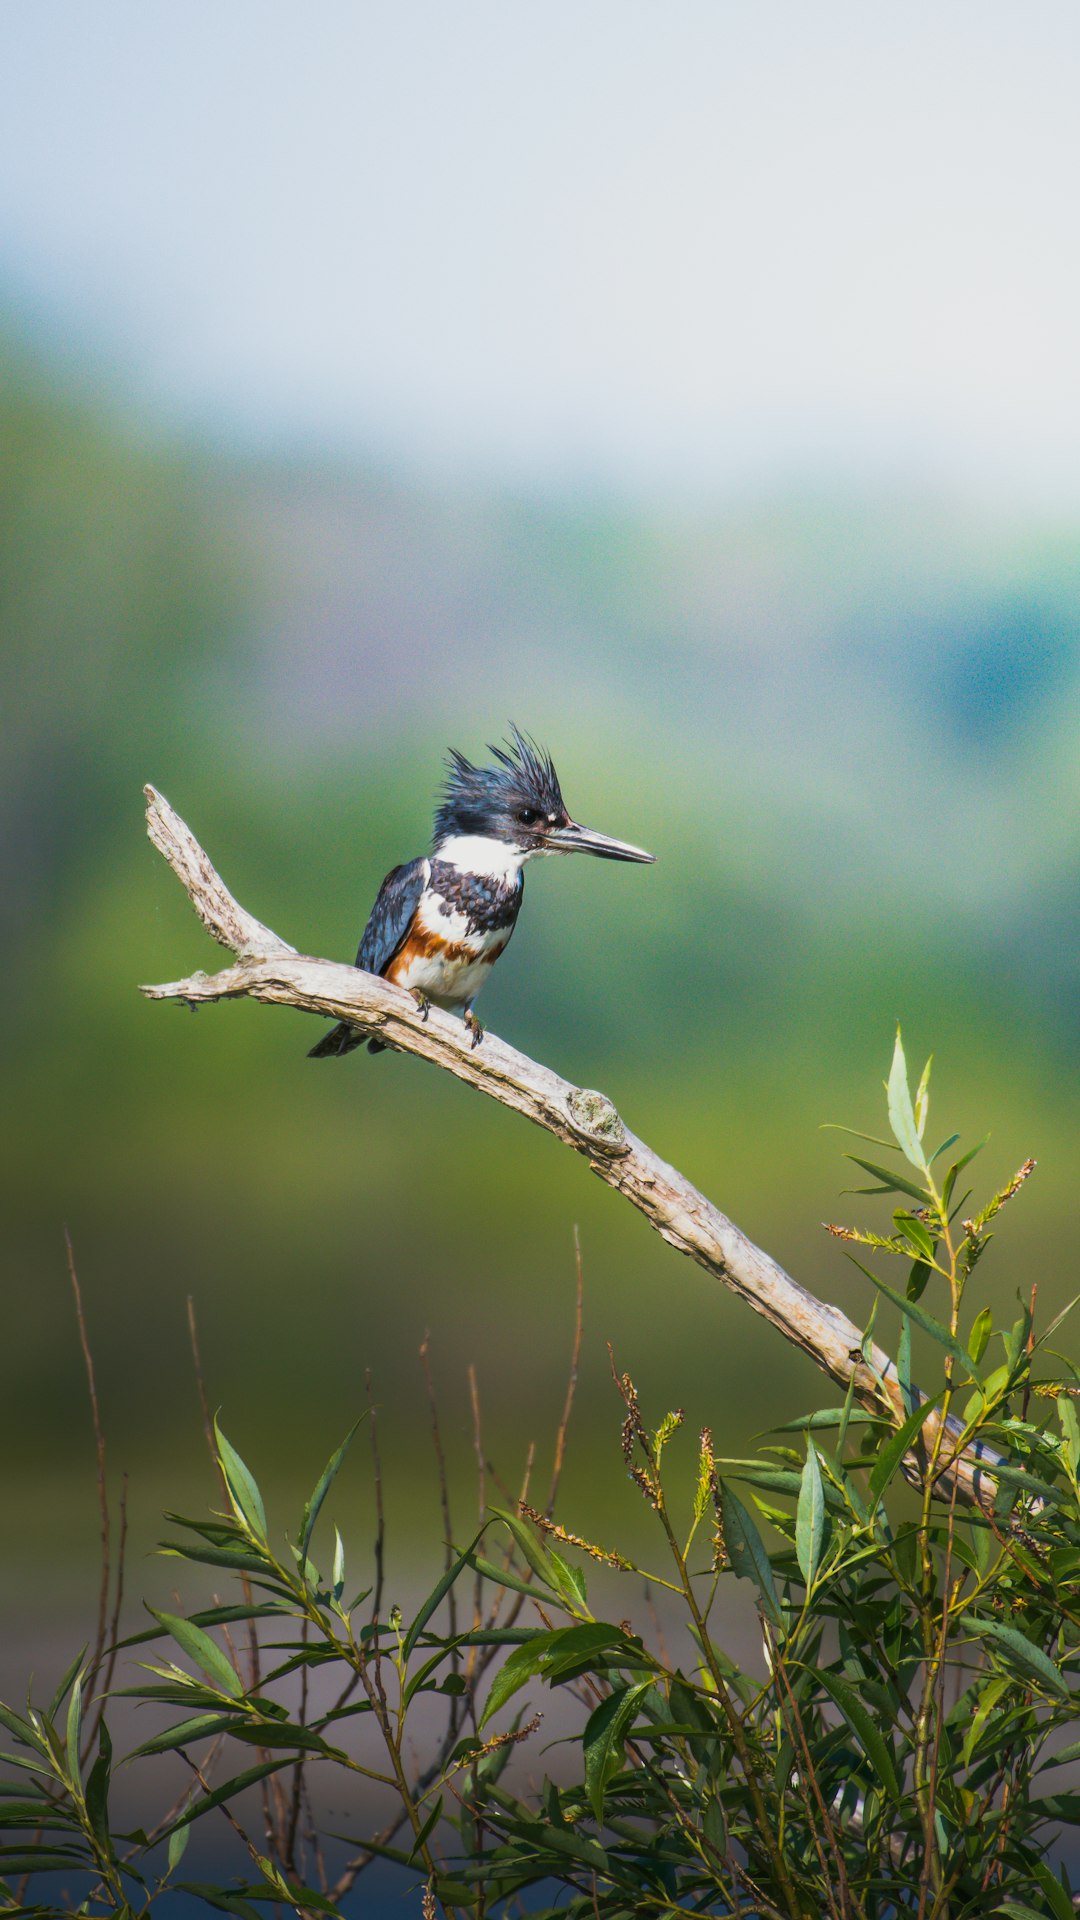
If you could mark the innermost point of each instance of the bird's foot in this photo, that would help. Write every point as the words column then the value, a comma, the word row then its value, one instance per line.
column 474, row 1026
column 422, row 1001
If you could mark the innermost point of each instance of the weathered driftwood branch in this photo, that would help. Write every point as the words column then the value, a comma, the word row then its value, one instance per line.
column 268, row 969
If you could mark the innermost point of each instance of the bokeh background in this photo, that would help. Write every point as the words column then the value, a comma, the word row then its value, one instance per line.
column 696, row 386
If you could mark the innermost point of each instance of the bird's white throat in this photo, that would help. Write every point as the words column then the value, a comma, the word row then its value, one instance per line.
column 476, row 853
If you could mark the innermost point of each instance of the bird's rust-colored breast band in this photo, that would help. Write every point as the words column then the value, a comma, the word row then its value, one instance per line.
column 421, row 945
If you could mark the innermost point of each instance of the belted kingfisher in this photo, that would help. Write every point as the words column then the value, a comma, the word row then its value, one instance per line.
column 439, row 924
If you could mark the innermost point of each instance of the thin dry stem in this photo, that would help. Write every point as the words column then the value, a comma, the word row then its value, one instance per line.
column 808, row 1780
column 440, row 1462
column 114, row 1625
column 1030, row 1350
column 448, row 1525
column 571, row 1384
column 481, row 1488
column 105, row 1582
column 380, row 1517
column 200, row 1385
column 269, row 1787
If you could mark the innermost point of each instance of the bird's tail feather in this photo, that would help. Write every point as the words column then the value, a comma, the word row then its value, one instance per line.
column 340, row 1039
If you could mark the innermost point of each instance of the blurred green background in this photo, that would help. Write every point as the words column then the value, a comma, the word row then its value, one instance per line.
column 839, row 699
column 848, row 732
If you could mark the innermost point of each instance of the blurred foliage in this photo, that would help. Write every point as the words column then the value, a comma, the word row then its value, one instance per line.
column 848, row 730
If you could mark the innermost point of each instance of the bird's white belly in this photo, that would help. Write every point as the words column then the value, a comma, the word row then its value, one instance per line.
column 449, row 981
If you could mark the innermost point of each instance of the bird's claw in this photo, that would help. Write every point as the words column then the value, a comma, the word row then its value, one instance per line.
column 474, row 1027
column 422, row 1002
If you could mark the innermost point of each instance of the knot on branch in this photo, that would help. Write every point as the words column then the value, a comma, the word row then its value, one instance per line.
column 593, row 1116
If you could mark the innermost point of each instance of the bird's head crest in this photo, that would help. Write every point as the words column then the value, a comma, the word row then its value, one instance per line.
column 518, row 800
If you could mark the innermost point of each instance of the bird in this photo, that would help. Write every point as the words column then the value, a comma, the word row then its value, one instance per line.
column 440, row 922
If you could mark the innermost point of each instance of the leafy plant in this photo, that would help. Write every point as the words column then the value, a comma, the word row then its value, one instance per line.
column 903, row 1746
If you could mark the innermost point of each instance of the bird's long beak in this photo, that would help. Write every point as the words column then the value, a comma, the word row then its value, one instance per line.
column 575, row 839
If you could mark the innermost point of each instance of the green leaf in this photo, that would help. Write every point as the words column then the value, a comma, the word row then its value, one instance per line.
column 22, row 1729
column 824, row 1418
column 227, row 1791
column 903, row 1361
column 982, row 1328
column 922, row 1098
column 713, row 1827
column 762, row 1473
column 426, row 1830
column 604, row 1740
column 891, row 1182
column 746, row 1551
column 571, row 1582
column 958, row 1167
column 837, row 1126
column 322, row 1488
column 1059, row 1899
column 580, row 1648
column 846, row 1418
column 874, row 1745
column 501, row 1576
column 522, row 1665
column 272, row 1734
column 1057, row 1320
column 944, row 1148
column 536, row 1556
column 214, row 1617
column 97, row 1790
column 205, row 1652
column 222, row 1902
column 566, row 1841
column 291, row 1893
column 893, row 1452
column 985, row 1712
column 917, row 1232
column 1019, row 1654
column 437, row 1595
column 236, row 1559
column 924, row 1320
column 74, row 1728
column 901, row 1112
column 40, row 1860
column 243, row 1492
column 1070, row 1431
column 560, row 1652
column 202, row 1726
column 810, row 1517
column 1057, row 1806
column 917, row 1279
column 178, row 1840
column 61, row 1692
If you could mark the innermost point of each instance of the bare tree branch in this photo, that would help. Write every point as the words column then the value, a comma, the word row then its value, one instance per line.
column 225, row 921
column 269, row 970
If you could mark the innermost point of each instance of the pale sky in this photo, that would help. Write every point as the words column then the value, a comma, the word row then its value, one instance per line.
column 682, row 246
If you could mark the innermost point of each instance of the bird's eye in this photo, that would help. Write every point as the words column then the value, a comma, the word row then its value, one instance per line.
column 528, row 816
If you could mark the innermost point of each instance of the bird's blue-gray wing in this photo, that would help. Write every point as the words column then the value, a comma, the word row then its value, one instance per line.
column 391, row 916
column 388, row 923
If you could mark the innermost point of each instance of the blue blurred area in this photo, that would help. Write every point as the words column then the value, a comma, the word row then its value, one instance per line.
column 379, row 1895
